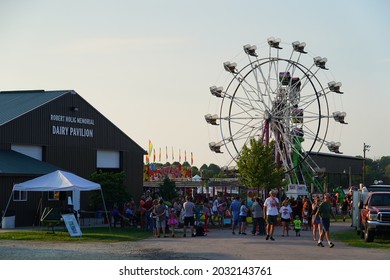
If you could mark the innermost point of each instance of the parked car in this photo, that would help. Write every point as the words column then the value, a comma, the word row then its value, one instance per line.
column 375, row 215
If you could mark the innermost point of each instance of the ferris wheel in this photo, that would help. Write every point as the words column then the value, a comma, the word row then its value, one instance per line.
column 274, row 98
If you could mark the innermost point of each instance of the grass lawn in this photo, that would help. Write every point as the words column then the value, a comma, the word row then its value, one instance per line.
column 350, row 238
column 96, row 234
column 103, row 234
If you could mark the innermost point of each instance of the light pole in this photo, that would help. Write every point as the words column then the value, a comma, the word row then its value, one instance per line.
column 349, row 177
column 365, row 148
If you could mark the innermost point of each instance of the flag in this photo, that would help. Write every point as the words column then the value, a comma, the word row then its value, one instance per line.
column 147, row 159
column 179, row 155
column 185, row 155
column 192, row 159
column 150, row 147
column 154, row 155
column 159, row 155
column 173, row 156
column 166, row 153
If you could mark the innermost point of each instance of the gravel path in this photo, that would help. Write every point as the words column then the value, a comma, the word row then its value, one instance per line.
column 219, row 244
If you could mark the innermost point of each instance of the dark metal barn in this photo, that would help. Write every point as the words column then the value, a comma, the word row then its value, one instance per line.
column 42, row 131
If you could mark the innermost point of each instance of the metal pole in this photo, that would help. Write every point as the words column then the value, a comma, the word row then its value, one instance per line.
column 365, row 148
column 349, row 177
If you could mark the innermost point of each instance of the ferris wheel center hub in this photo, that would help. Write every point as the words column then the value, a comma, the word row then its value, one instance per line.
column 267, row 115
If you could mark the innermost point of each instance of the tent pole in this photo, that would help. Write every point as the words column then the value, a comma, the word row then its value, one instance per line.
column 9, row 200
column 105, row 210
column 39, row 210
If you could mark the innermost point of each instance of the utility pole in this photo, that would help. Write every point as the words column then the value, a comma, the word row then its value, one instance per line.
column 365, row 148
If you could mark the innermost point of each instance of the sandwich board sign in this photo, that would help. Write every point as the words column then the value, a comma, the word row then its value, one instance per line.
column 71, row 225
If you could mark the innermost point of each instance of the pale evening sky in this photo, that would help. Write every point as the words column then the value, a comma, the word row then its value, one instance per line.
column 148, row 65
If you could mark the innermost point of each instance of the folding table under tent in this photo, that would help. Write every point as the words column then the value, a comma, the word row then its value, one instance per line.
column 58, row 181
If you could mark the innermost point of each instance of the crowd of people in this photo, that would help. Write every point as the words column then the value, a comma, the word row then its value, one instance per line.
column 196, row 214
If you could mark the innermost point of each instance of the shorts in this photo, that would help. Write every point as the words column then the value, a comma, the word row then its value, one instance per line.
column 325, row 224
column 243, row 219
column 160, row 223
column 271, row 220
column 285, row 220
column 235, row 220
column 316, row 221
column 189, row 221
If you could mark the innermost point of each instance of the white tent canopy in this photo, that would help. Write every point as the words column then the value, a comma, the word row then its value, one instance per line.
column 197, row 178
column 57, row 181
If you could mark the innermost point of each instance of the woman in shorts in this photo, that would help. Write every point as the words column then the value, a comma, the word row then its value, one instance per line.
column 316, row 221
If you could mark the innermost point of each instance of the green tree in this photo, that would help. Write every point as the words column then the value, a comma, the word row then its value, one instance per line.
column 112, row 186
column 257, row 167
column 168, row 189
column 387, row 171
column 194, row 171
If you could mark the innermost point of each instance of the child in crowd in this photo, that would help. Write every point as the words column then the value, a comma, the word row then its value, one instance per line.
column 297, row 225
column 173, row 221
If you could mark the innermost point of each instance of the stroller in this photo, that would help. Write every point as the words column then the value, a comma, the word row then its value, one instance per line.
column 199, row 230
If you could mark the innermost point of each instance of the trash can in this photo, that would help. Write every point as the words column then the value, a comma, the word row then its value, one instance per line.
column 8, row 220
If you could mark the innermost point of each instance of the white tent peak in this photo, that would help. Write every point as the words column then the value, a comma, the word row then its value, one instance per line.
column 58, row 181
column 197, row 178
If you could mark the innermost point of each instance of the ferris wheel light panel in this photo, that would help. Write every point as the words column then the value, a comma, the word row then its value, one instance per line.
column 284, row 100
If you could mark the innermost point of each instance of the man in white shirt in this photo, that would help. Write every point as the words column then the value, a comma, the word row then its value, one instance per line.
column 271, row 211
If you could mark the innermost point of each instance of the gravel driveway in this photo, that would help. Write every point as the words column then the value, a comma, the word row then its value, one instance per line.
column 219, row 244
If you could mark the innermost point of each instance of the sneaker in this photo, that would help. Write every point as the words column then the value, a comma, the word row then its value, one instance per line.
column 272, row 238
column 320, row 244
column 233, row 232
column 267, row 237
column 193, row 235
column 243, row 233
column 331, row 245
column 184, row 235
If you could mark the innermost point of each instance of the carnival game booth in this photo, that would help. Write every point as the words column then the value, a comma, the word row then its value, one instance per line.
column 58, row 181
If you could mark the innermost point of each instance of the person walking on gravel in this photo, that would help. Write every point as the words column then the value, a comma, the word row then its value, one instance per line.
column 271, row 212
column 325, row 212
column 189, row 220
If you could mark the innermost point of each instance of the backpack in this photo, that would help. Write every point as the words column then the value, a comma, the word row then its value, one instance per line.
column 200, row 231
